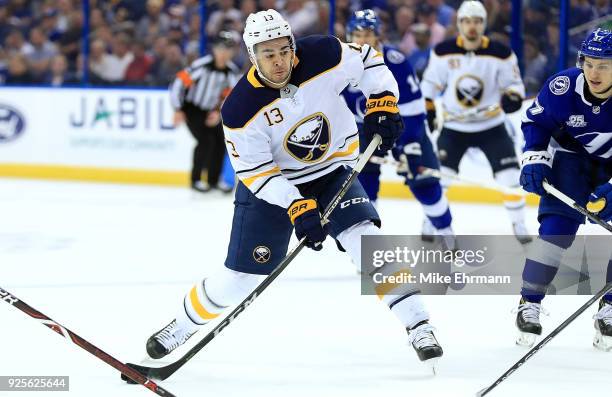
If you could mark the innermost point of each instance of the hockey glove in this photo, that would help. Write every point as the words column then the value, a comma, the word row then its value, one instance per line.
column 511, row 102
column 305, row 216
column 382, row 118
column 409, row 155
column 535, row 169
column 600, row 201
column 431, row 114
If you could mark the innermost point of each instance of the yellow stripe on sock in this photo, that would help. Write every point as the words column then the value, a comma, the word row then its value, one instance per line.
column 199, row 308
column 385, row 288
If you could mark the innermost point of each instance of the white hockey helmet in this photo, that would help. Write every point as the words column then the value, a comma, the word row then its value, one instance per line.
column 263, row 26
column 472, row 8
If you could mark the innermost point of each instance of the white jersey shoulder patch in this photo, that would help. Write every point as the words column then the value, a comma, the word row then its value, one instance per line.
column 559, row 85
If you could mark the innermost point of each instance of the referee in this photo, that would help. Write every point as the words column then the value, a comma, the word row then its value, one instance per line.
column 196, row 95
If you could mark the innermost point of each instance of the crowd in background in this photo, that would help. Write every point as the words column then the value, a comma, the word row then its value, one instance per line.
column 146, row 42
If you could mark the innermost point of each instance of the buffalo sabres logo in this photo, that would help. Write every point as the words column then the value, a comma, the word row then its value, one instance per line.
column 469, row 90
column 308, row 140
column 261, row 254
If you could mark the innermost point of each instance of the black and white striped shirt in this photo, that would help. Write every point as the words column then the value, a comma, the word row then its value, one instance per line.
column 202, row 84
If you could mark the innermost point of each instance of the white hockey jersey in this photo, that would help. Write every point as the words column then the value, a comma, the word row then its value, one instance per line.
column 277, row 139
column 472, row 82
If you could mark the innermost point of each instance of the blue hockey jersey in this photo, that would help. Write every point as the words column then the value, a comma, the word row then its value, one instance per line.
column 411, row 103
column 565, row 111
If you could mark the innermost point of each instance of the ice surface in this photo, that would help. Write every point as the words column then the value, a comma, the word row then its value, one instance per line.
column 112, row 263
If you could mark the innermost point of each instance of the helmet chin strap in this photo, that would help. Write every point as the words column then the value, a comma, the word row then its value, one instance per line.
column 270, row 82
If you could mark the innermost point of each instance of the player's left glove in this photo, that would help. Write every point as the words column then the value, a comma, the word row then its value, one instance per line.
column 409, row 155
column 600, row 201
column 511, row 102
column 382, row 118
column 536, row 167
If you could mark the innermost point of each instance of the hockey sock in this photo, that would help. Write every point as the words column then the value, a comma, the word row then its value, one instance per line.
column 515, row 204
column 557, row 233
column 402, row 298
column 206, row 300
column 434, row 203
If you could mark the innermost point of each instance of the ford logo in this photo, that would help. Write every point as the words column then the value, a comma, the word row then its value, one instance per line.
column 12, row 123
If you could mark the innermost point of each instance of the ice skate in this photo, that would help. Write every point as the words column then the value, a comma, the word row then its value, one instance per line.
column 424, row 342
column 163, row 342
column 603, row 326
column 528, row 322
column 448, row 239
column 200, row 187
column 521, row 233
column 428, row 231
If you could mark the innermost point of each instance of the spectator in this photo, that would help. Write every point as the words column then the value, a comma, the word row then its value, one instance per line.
column 302, row 16
column 70, row 41
column 601, row 8
column 426, row 14
column 119, row 59
column 18, row 72
column 99, row 63
column 40, row 55
column 535, row 66
column 225, row 18
column 445, row 12
column 65, row 9
column 404, row 19
column 175, row 34
column 580, row 12
column 155, row 23
column 15, row 44
column 5, row 27
column 3, row 65
column 420, row 55
column 171, row 64
column 48, row 24
column 502, row 21
column 137, row 72
column 58, row 74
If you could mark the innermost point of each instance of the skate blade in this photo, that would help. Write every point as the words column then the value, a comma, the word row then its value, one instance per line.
column 601, row 342
column 432, row 363
column 526, row 339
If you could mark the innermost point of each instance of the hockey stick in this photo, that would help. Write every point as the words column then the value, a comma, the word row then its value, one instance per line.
column 441, row 174
column 166, row 371
column 548, row 338
column 567, row 200
column 471, row 114
column 125, row 370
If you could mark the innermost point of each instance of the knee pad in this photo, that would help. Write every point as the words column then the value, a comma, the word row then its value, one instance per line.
column 350, row 239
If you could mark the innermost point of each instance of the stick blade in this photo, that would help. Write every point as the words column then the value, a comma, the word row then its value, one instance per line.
column 146, row 371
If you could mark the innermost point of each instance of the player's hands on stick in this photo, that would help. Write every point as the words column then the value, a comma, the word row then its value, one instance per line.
column 409, row 157
column 600, row 201
column 306, row 218
column 536, row 167
column 382, row 118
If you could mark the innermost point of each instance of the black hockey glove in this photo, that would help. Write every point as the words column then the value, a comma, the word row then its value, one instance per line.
column 382, row 118
column 431, row 114
column 511, row 102
column 305, row 216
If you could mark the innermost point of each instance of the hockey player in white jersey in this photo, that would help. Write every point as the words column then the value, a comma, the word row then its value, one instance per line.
column 291, row 138
column 480, row 81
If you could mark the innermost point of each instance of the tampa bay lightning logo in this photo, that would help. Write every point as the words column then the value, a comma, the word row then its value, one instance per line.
column 308, row 140
column 559, row 85
column 12, row 123
column 469, row 89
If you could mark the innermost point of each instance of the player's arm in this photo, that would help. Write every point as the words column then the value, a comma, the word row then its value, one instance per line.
column 182, row 81
column 251, row 156
column 538, row 123
column 364, row 66
column 434, row 81
column 509, row 79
